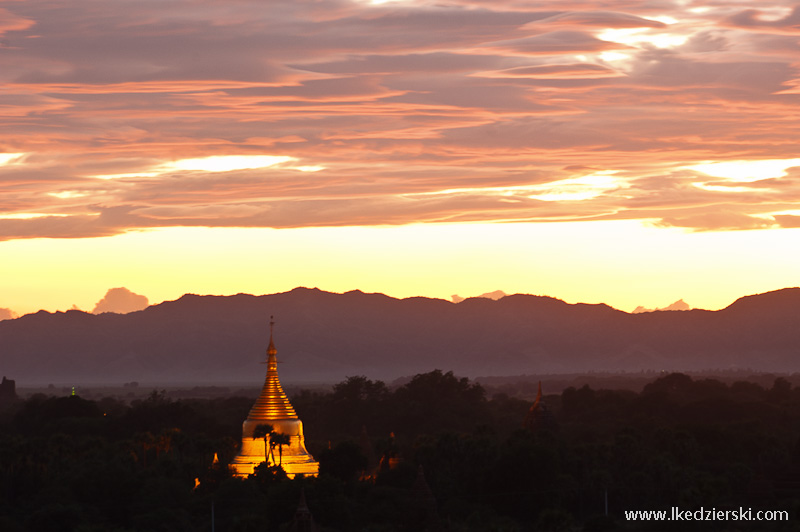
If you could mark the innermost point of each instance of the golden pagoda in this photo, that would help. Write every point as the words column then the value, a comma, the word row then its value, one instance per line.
column 273, row 408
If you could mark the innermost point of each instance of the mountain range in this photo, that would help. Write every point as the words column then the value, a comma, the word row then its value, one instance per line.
column 323, row 337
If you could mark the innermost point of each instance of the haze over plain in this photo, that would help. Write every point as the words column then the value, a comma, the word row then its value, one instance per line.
column 631, row 153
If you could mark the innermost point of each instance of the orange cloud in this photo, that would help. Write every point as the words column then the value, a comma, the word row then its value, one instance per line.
column 405, row 112
column 11, row 22
column 678, row 305
column 758, row 20
column 602, row 19
column 121, row 301
column 7, row 314
column 556, row 42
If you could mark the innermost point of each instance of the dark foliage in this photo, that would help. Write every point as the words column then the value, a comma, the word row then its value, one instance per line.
column 434, row 454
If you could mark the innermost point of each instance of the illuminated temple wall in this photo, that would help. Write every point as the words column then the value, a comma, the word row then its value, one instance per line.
column 273, row 407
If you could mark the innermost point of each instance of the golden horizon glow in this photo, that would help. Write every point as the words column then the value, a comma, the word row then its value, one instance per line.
column 406, row 261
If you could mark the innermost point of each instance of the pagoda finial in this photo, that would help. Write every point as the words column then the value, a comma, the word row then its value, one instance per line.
column 271, row 349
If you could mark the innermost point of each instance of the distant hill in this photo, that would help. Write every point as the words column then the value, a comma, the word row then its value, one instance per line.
column 323, row 336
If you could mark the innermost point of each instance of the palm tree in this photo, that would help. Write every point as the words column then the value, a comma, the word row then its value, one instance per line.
column 279, row 439
column 264, row 431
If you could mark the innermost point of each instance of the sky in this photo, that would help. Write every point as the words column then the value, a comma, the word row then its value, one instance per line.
column 624, row 152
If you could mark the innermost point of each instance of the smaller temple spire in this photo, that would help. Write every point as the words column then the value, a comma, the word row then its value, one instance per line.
column 539, row 417
column 303, row 520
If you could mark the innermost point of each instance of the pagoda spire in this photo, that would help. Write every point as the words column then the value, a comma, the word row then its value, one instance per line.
column 272, row 403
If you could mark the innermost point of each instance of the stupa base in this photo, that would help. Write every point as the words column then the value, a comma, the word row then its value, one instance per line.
column 243, row 466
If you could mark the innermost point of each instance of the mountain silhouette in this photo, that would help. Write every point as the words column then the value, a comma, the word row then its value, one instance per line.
column 323, row 336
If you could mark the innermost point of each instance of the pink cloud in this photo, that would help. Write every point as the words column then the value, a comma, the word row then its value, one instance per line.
column 787, row 220
column 755, row 19
column 678, row 305
column 603, row 19
column 11, row 22
column 716, row 221
column 7, row 314
column 121, row 301
column 415, row 112
column 555, row 42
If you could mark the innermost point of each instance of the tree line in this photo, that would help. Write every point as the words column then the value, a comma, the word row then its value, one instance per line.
column 434, row 454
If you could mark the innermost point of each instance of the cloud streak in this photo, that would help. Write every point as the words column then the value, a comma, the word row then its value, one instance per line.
column 395, row 113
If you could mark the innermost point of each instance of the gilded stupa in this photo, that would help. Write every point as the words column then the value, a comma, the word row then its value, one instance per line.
column 273, row 408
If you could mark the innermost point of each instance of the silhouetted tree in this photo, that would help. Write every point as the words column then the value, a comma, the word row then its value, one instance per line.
column 359, row 388
column 264, row 431
column 436, row 401
column 344, row 461
column 278, row 439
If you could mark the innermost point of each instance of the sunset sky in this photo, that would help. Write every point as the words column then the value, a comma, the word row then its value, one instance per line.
column 624, row 152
